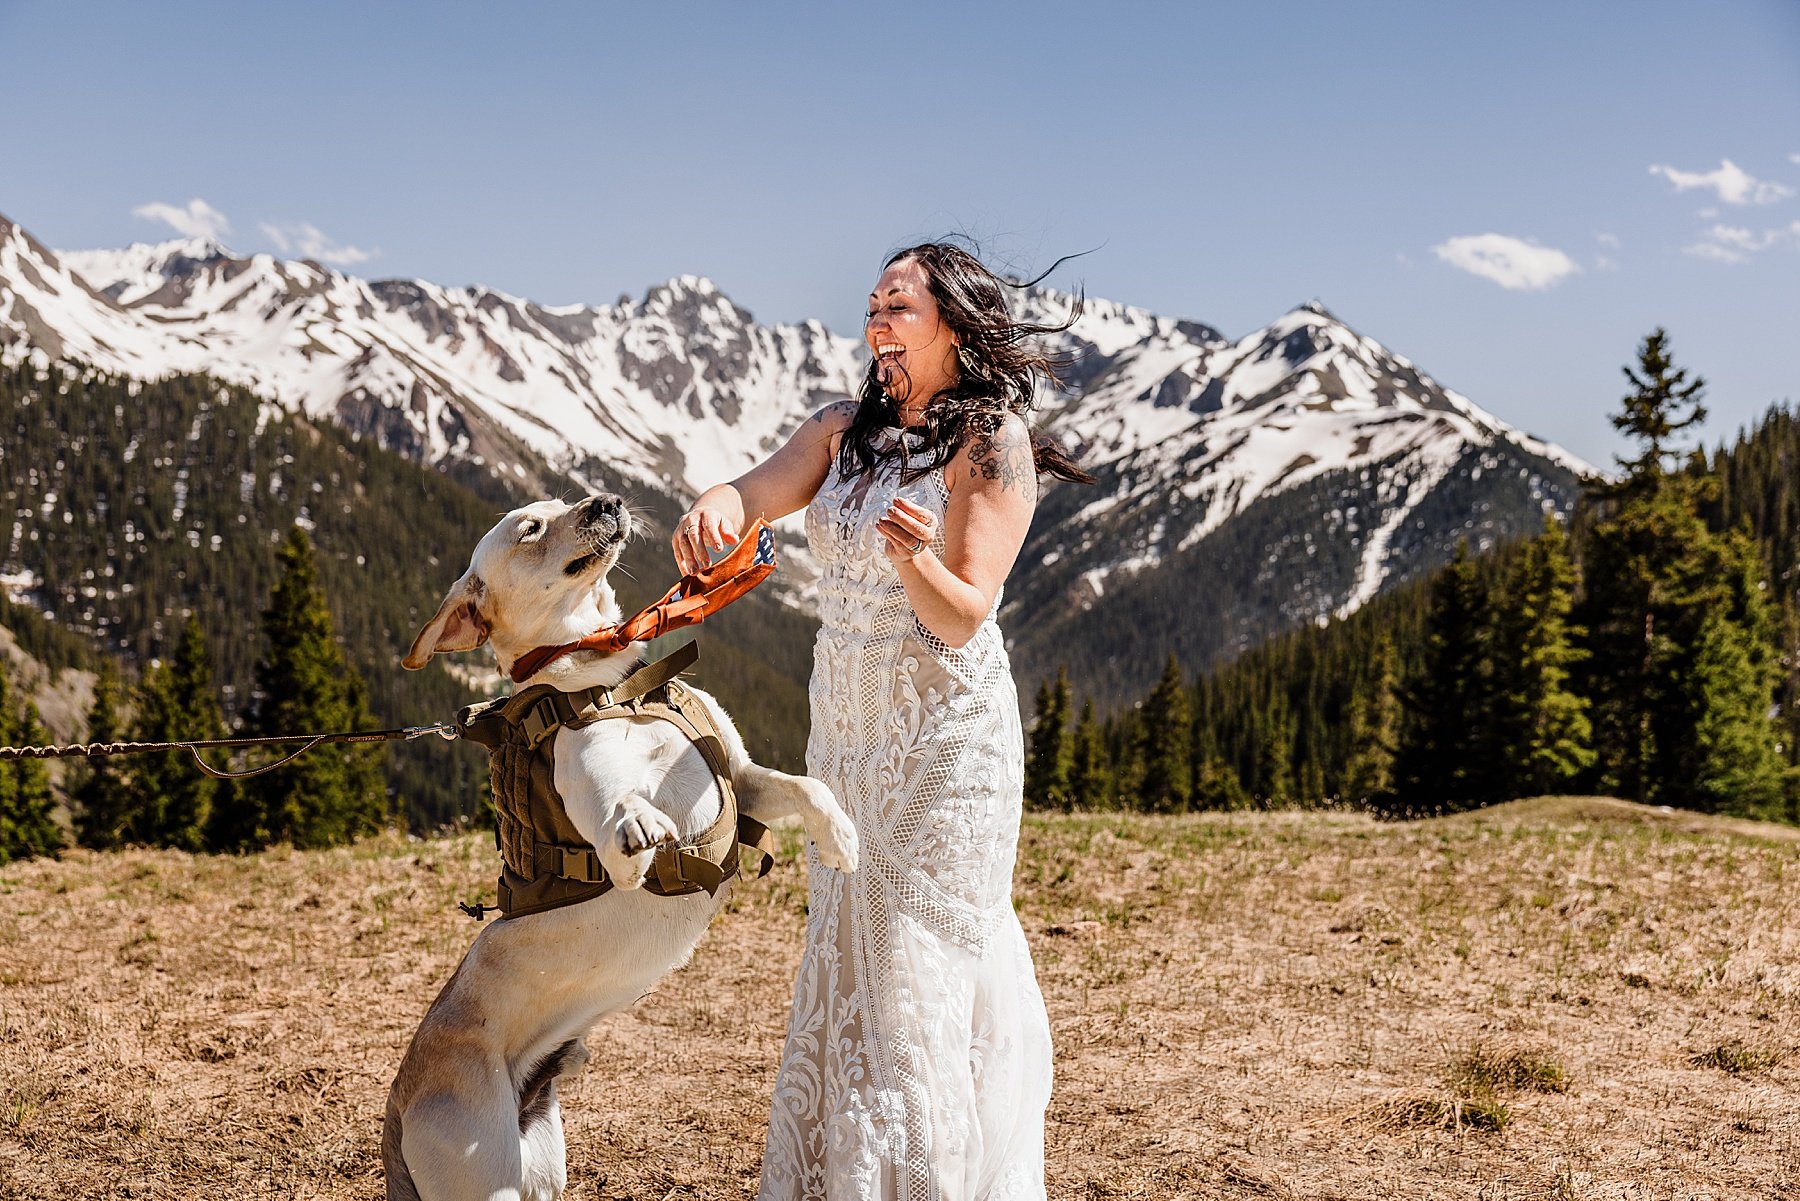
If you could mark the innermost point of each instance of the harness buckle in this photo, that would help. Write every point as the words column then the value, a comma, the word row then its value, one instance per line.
column 581, row 863
column 540, row 721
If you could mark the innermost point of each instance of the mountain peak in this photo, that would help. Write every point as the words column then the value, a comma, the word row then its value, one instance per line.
column 1317, row 308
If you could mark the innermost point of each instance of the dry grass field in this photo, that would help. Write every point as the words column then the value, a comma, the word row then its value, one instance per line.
column 1561, row 998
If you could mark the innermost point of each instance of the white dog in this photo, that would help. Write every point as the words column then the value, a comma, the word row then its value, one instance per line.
column 473, row 1110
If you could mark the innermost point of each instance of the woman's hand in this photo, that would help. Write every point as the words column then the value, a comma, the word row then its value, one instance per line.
column 703, row 529
column 779, row 485
column 909, row 530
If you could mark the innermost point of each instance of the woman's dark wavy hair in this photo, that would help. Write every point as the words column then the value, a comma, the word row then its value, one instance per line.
column 998, row 370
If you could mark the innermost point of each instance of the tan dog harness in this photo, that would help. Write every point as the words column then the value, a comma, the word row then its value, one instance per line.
column 545, row 861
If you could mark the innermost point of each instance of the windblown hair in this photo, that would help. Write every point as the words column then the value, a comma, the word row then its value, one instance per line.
column 998, row 369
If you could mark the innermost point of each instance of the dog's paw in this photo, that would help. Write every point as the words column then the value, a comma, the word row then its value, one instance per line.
column 631, row 851
column 645, row 829
column 835, row 836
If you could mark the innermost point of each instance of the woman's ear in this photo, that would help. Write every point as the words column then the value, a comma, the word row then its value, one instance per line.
column 458, row 625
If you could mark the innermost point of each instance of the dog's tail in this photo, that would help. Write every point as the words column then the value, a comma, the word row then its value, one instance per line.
column 400, row 1185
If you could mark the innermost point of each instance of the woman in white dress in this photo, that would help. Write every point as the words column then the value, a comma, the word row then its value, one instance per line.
column 917, row 1064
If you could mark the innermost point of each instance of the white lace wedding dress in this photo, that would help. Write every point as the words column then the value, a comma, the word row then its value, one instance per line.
column 917, row 1065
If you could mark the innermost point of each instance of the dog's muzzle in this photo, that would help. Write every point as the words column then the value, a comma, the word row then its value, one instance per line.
column 602, row 522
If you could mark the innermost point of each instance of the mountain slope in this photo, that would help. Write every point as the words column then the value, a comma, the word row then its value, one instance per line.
column 1332, row 466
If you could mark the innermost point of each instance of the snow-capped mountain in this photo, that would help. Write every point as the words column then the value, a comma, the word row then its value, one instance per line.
column 1378, row 467
column 678, row 390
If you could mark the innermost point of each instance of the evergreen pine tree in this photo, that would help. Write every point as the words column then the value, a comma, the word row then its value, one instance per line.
column 1682, row 634
column 1540, row 727
column 176, row 703
column 102, row 798
column 1444, row 762
column 1168, row 777
column 331, row 794
column 27, row 824
column 1374, row 732
column 1732, row 764
column 1217, row 786
column 1049, row 748
column 1090, row 780
column 1123, row 735
column 1274, row 750
column 1653, row 412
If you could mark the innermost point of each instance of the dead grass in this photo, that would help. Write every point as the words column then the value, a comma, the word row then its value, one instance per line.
column 1554, row 999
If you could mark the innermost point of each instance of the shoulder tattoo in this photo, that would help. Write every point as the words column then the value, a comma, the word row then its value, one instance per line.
column 1004, row 455
column 837, row 408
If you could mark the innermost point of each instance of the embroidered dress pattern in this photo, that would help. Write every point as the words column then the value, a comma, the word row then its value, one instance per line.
column 917, row 1064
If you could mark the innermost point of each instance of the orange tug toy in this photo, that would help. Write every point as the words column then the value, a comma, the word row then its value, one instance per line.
column 696, row 597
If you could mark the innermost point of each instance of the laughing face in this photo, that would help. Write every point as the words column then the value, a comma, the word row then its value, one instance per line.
column 915, row 352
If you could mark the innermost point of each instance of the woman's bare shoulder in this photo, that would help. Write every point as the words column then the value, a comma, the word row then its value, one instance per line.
column 836, row 416
column 1001, row 458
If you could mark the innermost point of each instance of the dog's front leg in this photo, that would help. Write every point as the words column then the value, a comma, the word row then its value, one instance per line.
column 627, row 841
column 767, row 794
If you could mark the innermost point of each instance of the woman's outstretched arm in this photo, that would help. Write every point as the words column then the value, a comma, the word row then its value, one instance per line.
column 779, row 485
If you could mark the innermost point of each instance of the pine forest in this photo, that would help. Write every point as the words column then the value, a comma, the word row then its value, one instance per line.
column 223, row 567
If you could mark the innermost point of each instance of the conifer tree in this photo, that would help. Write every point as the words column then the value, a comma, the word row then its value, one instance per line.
column 1050, row 746
column 27, row 824
column 1090, row 780
column 1540, row 728
column 1374, row 732
column 331, row 794
column 1274, row 779
column 177, row 802
column 1662, row 403
column 1123, row 735
column 1168, row 777
column 1731, row 765
column 101, row 799
column 1217, row 786
column 1445, row 758
column 1682, row 671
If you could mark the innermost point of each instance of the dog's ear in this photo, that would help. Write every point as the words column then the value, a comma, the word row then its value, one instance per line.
column 458, row 624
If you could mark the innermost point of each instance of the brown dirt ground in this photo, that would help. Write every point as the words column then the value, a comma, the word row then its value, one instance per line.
column 1298, row 1005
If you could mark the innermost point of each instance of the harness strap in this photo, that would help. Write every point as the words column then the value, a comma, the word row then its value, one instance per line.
column 539, row 714
column 519, row 725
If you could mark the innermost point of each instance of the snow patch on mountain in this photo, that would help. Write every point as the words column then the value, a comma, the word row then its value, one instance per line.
column 683, row 388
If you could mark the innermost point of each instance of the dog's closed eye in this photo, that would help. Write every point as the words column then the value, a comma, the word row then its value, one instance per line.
column 530, row 530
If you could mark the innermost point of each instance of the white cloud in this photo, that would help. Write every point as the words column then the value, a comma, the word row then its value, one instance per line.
column 1509, row 262
column 1794, row 158
column 198, row 220
column 1736, row 244
column 309, row 242
column 1609, row 240
column 1733, row 184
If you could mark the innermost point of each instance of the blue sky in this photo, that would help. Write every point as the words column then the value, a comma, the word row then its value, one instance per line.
column 1509, row 195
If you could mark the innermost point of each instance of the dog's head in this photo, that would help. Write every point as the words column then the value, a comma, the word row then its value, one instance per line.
column 538, row 578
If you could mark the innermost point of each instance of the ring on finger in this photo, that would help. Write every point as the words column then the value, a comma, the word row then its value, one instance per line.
column 917, row 546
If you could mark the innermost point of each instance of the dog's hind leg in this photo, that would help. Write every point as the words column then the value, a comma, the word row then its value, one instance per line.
column 462, row 1143
column 541, row 1149
column 766, row 794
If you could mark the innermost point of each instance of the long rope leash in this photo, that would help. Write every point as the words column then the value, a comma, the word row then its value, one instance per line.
column 443, row 729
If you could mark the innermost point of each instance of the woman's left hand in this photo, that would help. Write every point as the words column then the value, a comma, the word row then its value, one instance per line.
column 908, row 528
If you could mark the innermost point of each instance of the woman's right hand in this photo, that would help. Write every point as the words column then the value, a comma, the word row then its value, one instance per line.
column 781, row 484
column 703, row 529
